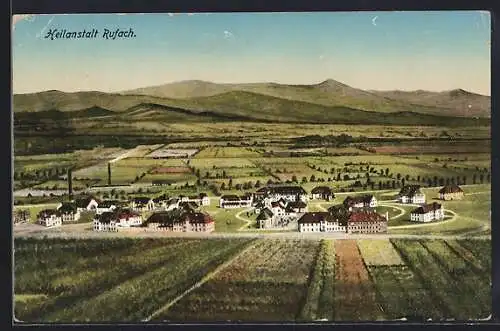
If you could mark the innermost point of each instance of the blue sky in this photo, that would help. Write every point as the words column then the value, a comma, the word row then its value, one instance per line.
column 370, row 50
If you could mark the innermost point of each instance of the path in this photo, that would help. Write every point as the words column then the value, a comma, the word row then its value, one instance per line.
column 453, row 218
column 206, row 278
column 247, row 221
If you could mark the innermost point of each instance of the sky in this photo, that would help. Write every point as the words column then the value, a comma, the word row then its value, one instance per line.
column 434, row 51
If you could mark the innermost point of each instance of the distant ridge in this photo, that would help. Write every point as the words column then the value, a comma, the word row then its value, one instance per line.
column 328, row 101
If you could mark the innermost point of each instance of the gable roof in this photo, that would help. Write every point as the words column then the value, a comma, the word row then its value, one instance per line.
column 107, row 203
column 159, row 217
column 107, row 217
column 48, row 213
column 431, row 207
column 365, row 216
column 451, row 189
column 197, row 218
column 83, row 202
column 349, row 201
column 68, row 208
column 410, row 190
column 315, row 217
column 321, row 190
column 126, row 214
column 230, row 197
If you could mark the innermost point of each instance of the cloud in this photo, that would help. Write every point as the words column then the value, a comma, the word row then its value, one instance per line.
column 228, row 34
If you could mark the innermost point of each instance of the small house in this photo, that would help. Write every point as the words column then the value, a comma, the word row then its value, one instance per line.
column 427, row 213
column 69, row 212
column 451, row 192
column 49, row 218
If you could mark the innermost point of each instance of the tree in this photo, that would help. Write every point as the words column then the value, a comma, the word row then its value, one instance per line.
column 435, row 181
column 313, row 178
column 223, row 186
column 198, row 173
column 393, row 184
column 230, row 183
column 258, row 184
column 447, row 181
column 339, row 178
column 207, row 175
column 464, row 180
column 398, row 176
column 488, row 178
column 223, row 173
column 403, row 182
column 304, row 180
column 379, row 185
column 237, row 186
column 387, row 171
column 474, row 179
column 481, row 178
column 346, row 177
column 418, row 178
column 294, row 179
column 441, row 181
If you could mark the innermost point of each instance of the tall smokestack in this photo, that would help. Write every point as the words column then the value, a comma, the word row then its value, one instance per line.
column 109, row 174
column 70, row 185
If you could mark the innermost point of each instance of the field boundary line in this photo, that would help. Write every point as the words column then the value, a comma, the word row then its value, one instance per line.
column 202, row 281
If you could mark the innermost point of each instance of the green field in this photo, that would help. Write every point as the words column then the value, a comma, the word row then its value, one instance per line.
column 127, row 280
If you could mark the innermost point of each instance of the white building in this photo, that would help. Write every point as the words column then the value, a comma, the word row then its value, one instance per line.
column 86, row 204
column 320, row 222
column 106, row 206
column 289, row 193
column 234, row 201
column 142, row 204
column 427, row 213
column 105, row 222
column 49, row 218
column 362, row 201
column 127, row 218
column 411, row 194
column 322, row 192
column 69, row 212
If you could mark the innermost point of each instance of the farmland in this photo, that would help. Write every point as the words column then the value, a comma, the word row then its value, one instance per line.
column 265, row 280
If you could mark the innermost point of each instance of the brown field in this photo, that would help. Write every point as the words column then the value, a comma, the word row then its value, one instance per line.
column 353, row 287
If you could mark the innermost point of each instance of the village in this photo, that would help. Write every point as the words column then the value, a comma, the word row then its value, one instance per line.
column 276, row 207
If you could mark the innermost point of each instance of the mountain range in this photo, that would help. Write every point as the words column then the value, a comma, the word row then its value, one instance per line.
column 327, row 102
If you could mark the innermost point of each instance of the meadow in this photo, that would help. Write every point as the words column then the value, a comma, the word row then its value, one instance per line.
column 127, row 280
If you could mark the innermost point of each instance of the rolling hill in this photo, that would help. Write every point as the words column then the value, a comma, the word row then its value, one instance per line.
column 334, row 93
column 328, row 102
column 463, row 103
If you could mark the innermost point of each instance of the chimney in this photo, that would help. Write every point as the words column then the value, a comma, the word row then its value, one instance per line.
column 70, row 185
column 109, row 174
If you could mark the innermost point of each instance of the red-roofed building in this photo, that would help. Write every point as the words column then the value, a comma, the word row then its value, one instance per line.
column 128, row 218
column 366, row 222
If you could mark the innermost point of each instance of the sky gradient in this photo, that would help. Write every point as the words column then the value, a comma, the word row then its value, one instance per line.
column 434, row 51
